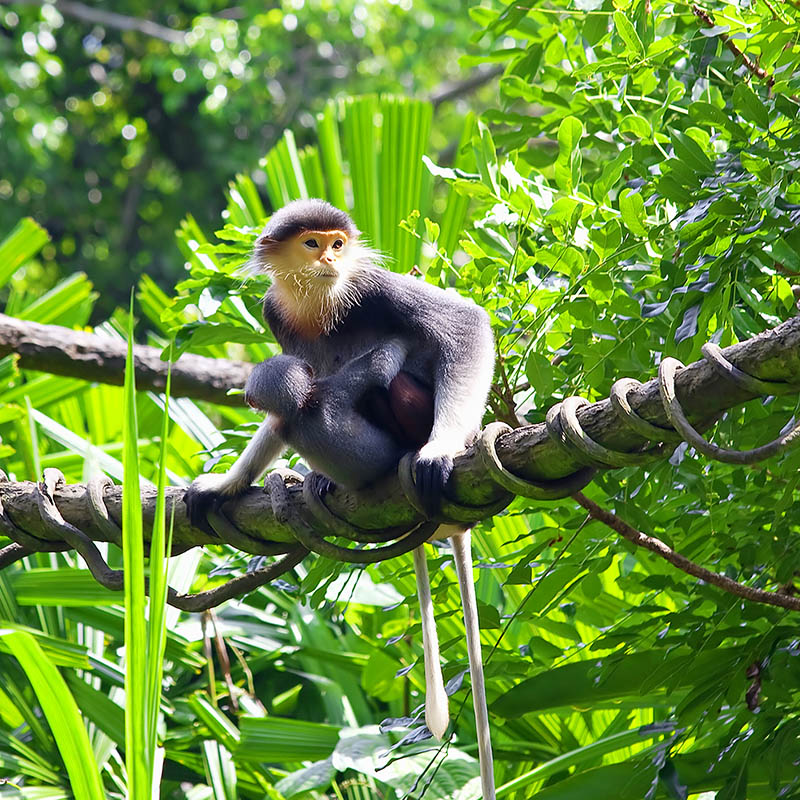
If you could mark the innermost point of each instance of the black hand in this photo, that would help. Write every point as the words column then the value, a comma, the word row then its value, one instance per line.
column 322, row 484
column 431, row 476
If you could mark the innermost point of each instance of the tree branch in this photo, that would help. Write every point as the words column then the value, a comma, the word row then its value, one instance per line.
column 92, row 357
column 751, row 65
column 450, row 90
column 109, row 19
column 529, row 452
column 681, row 562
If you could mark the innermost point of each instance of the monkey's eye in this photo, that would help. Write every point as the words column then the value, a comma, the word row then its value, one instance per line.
column 337, row 245
column 311, row 243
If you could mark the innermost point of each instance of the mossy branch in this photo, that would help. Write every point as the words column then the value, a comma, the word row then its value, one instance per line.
column 530, row 452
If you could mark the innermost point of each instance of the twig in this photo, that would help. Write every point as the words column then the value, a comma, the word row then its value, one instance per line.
column 224, row 661
column 751, row 65
column 450, row 91
column 774, row 11
column 681, row 562
column 110, row 19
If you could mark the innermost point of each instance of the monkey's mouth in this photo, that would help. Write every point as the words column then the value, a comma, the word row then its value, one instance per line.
column 326, row 273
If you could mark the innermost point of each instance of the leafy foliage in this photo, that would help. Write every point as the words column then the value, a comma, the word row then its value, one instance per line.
column 633, row 194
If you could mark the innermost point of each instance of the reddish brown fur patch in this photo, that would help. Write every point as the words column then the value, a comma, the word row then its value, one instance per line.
column 412, row 406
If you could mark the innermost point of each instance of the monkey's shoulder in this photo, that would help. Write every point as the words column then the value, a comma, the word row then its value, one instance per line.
column 398, row 302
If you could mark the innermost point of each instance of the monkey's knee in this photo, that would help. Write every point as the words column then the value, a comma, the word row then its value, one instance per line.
column 257, row 388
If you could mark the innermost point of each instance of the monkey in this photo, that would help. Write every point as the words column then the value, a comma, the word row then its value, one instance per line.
column 331, row 302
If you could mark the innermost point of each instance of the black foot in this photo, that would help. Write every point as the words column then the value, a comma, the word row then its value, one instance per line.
column 198, row 503
column 431, row 476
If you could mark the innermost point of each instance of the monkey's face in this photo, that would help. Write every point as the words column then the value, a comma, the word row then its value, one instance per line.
column 316, row 257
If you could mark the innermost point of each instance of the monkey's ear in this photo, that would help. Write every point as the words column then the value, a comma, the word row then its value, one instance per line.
column 264, row 244
column 263, row 248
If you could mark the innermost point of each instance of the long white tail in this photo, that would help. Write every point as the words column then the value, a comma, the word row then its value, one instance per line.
column 437, row 716
column 462, row 551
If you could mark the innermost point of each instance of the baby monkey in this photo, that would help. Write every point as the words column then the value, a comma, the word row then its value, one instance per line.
column 319, row 417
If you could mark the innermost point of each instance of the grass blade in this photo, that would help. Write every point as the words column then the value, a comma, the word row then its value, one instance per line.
column 137, row 754
column 330, row 150
column 156, row 625
column 23, row 243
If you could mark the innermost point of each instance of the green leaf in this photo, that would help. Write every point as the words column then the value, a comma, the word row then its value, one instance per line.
column 365, row 752
column 634, row 127
column 244, row 203
column 643, row 677
column 99, row 708
column 65, row 304
column 61, row 587
column 553, row 585
column 568, row 164
column 205, row 334
column 60, row 652
column 315, row 776
column 160, row 546
column 627, row 32
column 579, row 756
column 139, row 755
column 221, row 770
column 749, row 105
column 690, row 153
column 563, row 259
column 610, row 782
column 330, row 153
column 631, row 206
column 486, row 158
column 277, row 739
column 22, row 244
column 540, row 374
column 285, row 179
column 222, row 729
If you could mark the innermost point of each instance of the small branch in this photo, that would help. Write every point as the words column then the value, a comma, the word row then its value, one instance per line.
column 751, row 65
column 774, row 11
column 77, row 354
column 450, row 91
column 109, row 19
column 681, row 562
column 11, row 553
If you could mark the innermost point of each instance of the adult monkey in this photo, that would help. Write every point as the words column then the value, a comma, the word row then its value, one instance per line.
column 330, row 303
